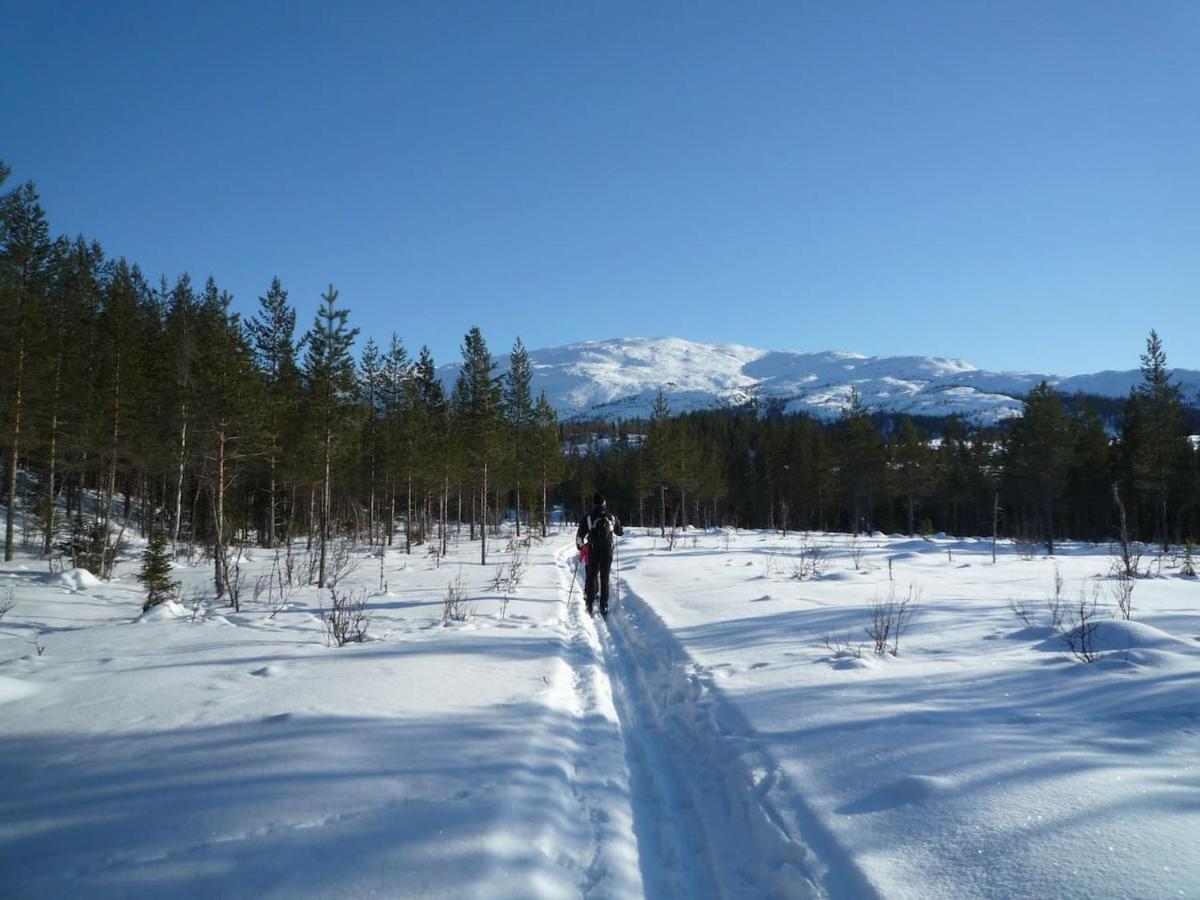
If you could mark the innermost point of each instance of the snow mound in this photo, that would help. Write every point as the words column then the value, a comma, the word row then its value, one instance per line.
column 1118, row 635
column 165, row 612
column 11, row 689
column 77, row 580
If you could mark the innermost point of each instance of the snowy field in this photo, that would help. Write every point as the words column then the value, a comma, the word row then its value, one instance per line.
column 730, row 732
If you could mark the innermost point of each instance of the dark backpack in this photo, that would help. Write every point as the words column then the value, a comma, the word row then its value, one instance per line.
column 600, row 532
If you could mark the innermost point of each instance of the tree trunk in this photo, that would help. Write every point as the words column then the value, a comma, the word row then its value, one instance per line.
column 271, row 503
column 179, row 483
column 325, row 507
column 219, row 574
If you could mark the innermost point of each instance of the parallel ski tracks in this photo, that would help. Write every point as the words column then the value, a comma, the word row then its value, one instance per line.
column 699, row 786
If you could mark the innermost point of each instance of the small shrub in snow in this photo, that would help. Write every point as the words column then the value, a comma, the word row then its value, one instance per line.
column 672, row 537
column 857, row 552
column 1021, row 611
column 809, row 561
column 155, row 575
column 347, row 619
column 7, row 604
column 890, row 618
column 1055, row 603
column 341, row 563
column 1127, row 558
column 454, row 602
column 233, row 576
column 841, row 647
column 1079, row 626
column 1121, row 587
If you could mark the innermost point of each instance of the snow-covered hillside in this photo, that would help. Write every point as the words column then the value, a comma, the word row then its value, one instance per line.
column 619, row 379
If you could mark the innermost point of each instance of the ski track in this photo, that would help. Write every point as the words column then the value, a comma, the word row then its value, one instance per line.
column 712, row 814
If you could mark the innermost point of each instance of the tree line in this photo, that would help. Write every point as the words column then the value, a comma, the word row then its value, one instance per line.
column 1060, row 469
column 131, row 404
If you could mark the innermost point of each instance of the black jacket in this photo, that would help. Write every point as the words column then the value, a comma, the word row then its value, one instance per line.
column 586, row 524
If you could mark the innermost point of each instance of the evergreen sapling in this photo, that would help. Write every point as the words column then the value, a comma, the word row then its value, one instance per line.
column 156, row 572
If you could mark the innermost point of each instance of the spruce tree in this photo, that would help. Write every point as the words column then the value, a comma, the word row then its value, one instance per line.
column 155, row 574
column 329, row 379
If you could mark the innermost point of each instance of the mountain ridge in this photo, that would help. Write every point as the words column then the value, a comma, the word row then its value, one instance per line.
column 619, row 378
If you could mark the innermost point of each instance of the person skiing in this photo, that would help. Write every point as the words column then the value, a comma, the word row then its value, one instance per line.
column 598, row 530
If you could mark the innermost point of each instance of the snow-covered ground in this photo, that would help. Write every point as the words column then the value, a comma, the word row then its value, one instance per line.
column 704, row 742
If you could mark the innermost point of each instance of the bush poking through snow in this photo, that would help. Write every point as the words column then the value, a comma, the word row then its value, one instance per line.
column 672, row 537
column 1121, row 588
column 155, row 575
column 890, row 618
column 841, row 647
column 1079, row 628
column 809, row 561
column 7, row 604
column 454, row 602
column 857, row 551
column 1021, row 611
column 1054, row 602
column 341, row 564
column 347, row 619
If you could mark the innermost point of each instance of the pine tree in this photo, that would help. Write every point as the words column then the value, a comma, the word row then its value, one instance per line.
column 912, row 464
column 1158, row 439
column 861, row 462
column 481, row 410
column 25, row 252
column 370, row 392
column 155, row 574
column 329, row 377
column 227, row 406
column 1038, row 455
column 548, row 449
column 518, row 400
column 659, row 453
column 272, row 332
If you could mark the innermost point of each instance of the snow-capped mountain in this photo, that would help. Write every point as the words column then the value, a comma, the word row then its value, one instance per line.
column 619, row 378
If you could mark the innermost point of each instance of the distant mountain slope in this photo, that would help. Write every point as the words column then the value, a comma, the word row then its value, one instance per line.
column 619, row 378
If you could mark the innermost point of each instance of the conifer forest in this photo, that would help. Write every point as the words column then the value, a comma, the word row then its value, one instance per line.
column 132, row 403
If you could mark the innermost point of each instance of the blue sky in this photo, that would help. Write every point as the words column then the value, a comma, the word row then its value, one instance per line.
column 1015, row 183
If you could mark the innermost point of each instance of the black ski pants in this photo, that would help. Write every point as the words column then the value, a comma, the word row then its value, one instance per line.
column 598, row 567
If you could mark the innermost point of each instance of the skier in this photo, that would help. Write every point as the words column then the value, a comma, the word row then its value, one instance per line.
column 598, row 530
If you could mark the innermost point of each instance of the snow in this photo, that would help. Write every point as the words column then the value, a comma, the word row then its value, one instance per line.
column 703, row 742
column 620, row 378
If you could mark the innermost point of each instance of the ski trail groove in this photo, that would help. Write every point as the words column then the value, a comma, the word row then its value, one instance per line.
column 713, row 815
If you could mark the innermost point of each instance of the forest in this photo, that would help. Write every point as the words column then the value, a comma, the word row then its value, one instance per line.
column 132, row 405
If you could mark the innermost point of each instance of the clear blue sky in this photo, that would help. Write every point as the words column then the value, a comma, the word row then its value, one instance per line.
column 1017, row 183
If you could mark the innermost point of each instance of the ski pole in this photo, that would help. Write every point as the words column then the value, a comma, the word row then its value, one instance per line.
column 617, row 553
column 574, row 578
